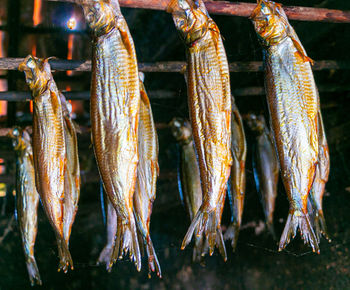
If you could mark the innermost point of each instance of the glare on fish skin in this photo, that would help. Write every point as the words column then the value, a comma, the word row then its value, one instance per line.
column 72, row 23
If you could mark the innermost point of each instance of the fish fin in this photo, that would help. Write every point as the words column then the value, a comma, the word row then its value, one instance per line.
column 125, row 36
column 220, row 244
column 33, row 271
column 232, row 234
column 65, row 257
column 298, row 220
column 271, row 230
column 199, row 249
column 153, row 263
column 127, row 241
column 301, row 52
column 207, row 223
column 320, row 226
column 105, row 257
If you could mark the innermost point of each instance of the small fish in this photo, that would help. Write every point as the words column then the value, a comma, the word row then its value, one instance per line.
column 49, row 148
column 72, row 172
column 238, row 175
column 27, row 199
column 114, row 110
column 265, row 166
column 147, row 173
column 321, row 178
column 293, row 103
column 209, row 95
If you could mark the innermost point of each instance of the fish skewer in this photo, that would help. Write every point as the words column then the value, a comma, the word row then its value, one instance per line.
column 147, row 173
column 210, row 111
column 114, row 108
column 27, row 199
column 238, row 175
column 293, row 106
column 265, row 166
column 49, row 150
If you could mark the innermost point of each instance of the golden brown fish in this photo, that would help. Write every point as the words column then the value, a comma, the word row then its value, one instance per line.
column 72, row 173
column 210, row 111
column 115, row 99
column 293, row 105
column 49, row 148
column 27, row 199
column 265, row 166
column 238, row 179
column 147, row 173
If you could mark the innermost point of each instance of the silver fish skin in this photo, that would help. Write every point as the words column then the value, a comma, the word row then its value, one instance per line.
column 27, row 199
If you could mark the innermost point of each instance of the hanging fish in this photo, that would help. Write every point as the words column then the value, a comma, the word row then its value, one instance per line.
column 265, row 166
column 293, row 105
column 49, row 148
column 147, row 173
column 114, row 108
column 72, row 173
column 27, row 199
column 210, row 111
column 238, row 179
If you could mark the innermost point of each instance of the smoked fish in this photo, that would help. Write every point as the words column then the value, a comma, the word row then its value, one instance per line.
column 293, row 103
column 72, row 172
column 114, row 110
column 147, row 173
column 27, row 199
column 49, row 148
column 210, row 112
column 265, row 167
column 238, row 175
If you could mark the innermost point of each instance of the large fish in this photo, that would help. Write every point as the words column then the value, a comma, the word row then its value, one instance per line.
column 293, row 105
column 210, row 111
column 27, row 199
column 238, row 176
column 321, row 178
column 147, row 173
column 49, row 148
column 72, row 173
column 114, row 108
column 265, row 167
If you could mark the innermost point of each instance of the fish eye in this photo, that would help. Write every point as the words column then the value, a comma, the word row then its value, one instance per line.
column 15, row 132
column 31, row 63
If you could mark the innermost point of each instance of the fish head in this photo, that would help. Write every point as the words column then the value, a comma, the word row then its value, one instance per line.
column 270, row 22
column 100, row 15
column 256, row 123
column 190, row 18
column 181, row 130
column 16, row 135
column 37, row 72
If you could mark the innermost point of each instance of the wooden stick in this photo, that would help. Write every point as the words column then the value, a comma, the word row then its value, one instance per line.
column 244, row 9
column 169, row 66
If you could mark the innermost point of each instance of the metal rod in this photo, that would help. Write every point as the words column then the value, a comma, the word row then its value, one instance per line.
column 244, row 9
column 170, row 66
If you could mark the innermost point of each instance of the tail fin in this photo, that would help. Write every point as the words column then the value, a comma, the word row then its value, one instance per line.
column 105, row 257
column 33, row 272
column 298, row 220
column 199, row 249
column 271, row 229
column 320, row 226
column 65, row 257
column 126, row 241
column 232, row 233
column 220, row 244
column 153, row 263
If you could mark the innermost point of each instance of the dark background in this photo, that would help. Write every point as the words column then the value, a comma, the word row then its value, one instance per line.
column 256, row 264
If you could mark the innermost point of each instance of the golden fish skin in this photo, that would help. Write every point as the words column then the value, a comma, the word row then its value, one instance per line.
column 114, row 107
column 265, row 166
column 49, row 151
column 238, row 175
column 293, row 105
column 27, row 199
column 106, row 253
column 321, row 178
column 72, row 172
column 210, row 110
column 147, row 173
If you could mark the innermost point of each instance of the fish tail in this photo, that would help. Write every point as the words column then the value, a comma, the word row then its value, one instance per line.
column 105, row 257
column 33, row 272
column 220, row 244
column 199, row 249
column 207, row 223
column 232, row 233
column 153, row 263
column 127, row 241
column 271, row 229
column 65, row 256
column 298, row 220
column 320, row 226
